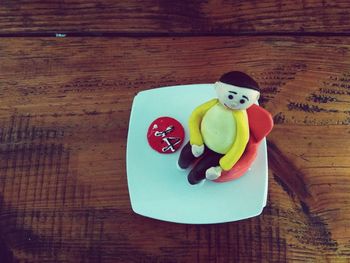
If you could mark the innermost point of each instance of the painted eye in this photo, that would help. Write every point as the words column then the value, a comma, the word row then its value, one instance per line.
column 230, row 97
column 242, row 101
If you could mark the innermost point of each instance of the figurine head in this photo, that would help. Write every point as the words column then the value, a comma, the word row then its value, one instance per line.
column 237, row 91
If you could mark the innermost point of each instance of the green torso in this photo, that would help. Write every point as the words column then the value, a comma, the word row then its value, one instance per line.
column 218, row 128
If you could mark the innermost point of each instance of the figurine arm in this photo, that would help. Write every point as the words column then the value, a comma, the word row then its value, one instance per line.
column 195, row 122
column 241, row 140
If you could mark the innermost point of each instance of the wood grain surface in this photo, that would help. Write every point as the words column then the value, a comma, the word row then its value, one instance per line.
column 64, row 112
column 212, row 17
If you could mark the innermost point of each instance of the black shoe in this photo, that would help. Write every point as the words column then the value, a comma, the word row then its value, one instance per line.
column 195, row 178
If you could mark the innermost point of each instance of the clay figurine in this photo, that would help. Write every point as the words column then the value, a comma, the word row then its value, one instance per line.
column 225, row 132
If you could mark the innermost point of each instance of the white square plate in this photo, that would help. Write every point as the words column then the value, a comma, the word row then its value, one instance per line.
column 159, row 190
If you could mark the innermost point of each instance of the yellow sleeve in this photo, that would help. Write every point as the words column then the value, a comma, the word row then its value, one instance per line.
column 196, row 119
column 238, row 147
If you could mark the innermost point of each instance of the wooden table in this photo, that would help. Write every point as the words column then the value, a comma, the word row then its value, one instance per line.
column 64, row 112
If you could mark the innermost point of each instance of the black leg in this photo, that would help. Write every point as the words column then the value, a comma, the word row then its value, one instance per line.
column 186, row 157
column 209, row 159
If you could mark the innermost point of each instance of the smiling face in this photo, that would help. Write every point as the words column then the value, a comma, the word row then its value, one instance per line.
column 234, row 97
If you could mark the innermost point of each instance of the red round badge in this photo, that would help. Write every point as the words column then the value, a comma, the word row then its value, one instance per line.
column 165, row 135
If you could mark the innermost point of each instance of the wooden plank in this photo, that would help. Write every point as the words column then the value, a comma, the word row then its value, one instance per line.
column 174, row 17
column 64, row 111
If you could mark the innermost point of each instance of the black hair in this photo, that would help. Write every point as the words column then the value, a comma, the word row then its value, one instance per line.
column 239, row 79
